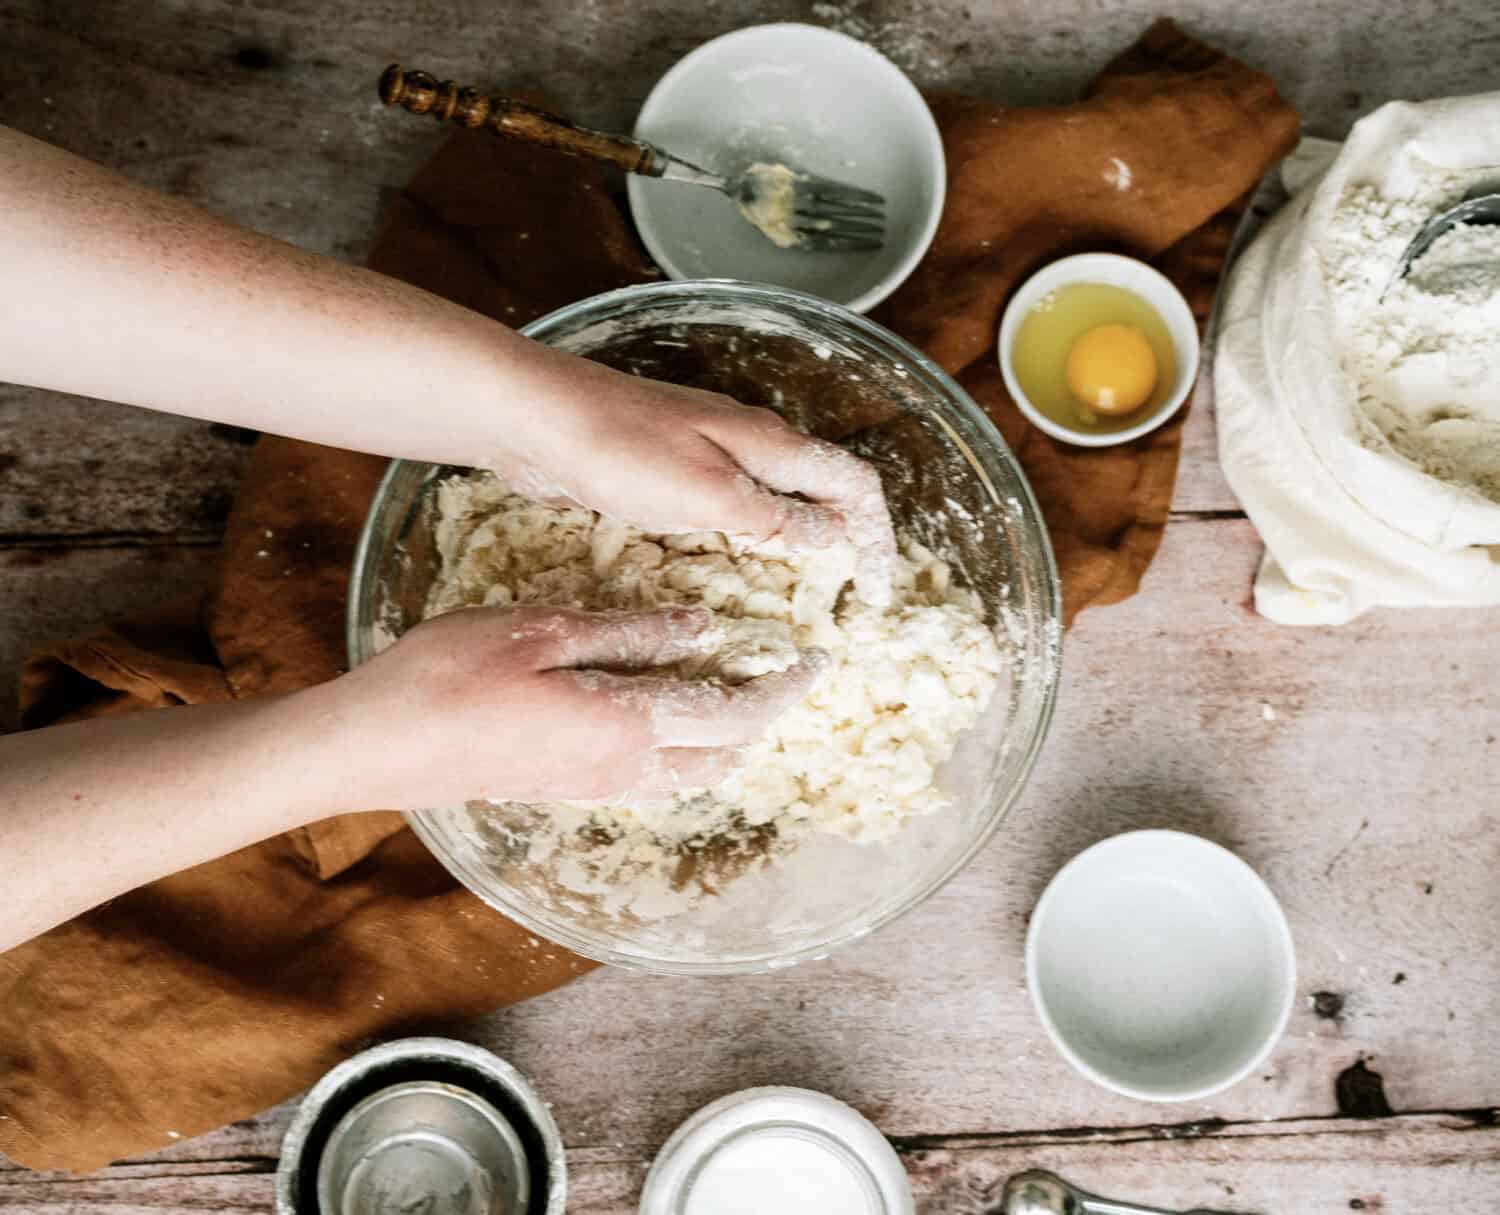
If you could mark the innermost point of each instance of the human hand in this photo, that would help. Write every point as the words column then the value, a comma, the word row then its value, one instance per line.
column 672, row 459
column 483, row 702
column 548, row 704
column 355, row 359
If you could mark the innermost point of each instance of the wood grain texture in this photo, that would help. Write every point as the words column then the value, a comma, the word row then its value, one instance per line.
column 1352, row 767
column 1406, row 1166
column 50, row 593
column 1358, row 794
column 1357, row 801
column 74, row 469
column 268, row 114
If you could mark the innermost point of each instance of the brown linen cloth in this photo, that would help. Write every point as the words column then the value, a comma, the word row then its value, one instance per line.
column 217, row 992
column 1155, row 163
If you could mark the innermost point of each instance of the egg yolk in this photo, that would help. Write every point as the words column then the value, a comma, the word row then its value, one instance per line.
column 1112, row 369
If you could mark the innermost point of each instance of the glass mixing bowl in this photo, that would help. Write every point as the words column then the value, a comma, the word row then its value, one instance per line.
column 951, row 483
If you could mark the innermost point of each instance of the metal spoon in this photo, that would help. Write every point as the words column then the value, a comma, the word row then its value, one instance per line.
column 1038, row 1192
column 1480, row 205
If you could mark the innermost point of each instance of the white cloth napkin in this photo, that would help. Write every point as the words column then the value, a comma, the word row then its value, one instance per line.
column 1346, row 527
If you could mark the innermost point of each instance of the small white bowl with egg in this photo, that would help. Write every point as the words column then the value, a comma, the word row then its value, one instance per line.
column 818, row 102
column 1072, row 360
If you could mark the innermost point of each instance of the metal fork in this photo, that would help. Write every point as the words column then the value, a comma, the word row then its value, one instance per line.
column 793, row 209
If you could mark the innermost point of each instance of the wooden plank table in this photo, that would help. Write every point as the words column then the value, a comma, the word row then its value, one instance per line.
column 1351, row 767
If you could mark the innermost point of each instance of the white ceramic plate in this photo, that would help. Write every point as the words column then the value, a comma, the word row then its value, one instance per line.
column 815, row 100
column 1161, row 965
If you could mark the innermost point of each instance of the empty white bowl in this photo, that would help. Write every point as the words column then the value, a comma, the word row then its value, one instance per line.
column 1114, row 270
column 815, row 100
column 1161, row 966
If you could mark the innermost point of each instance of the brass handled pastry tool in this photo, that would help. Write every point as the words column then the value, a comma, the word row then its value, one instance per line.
column 792, row 209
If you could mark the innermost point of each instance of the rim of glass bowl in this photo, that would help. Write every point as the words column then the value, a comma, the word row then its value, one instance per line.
column 364, row 580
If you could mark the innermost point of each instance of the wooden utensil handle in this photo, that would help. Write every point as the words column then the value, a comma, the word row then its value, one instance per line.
column 423, row 93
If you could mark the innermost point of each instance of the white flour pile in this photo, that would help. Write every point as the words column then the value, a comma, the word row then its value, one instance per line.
column 856, row 757
column 1425, row 359
column 1359, row 414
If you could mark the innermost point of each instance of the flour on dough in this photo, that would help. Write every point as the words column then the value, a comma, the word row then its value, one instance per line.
column 772, row 203
column 858, row 756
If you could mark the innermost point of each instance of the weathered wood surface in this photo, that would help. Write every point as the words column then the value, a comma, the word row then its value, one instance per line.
column 1418, row 1165
column 1365, row 788
column 1363, row 796
column 1362, row 802
column 267, row 113
column 51, row 593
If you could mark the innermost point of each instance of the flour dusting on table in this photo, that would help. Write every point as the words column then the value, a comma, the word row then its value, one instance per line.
column 856, row 758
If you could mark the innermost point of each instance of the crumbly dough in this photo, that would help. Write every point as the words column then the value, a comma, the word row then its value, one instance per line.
column 856, row 757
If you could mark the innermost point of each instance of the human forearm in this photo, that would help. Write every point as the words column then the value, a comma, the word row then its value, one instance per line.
column 117, row 292
column 478, row 703
column 93, row 809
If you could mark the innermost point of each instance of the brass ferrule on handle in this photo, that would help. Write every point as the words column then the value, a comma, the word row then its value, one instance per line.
column 423, row 93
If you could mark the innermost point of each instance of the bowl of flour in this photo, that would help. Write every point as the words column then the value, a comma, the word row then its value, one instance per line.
column 903, row 759
column 1358, row 411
